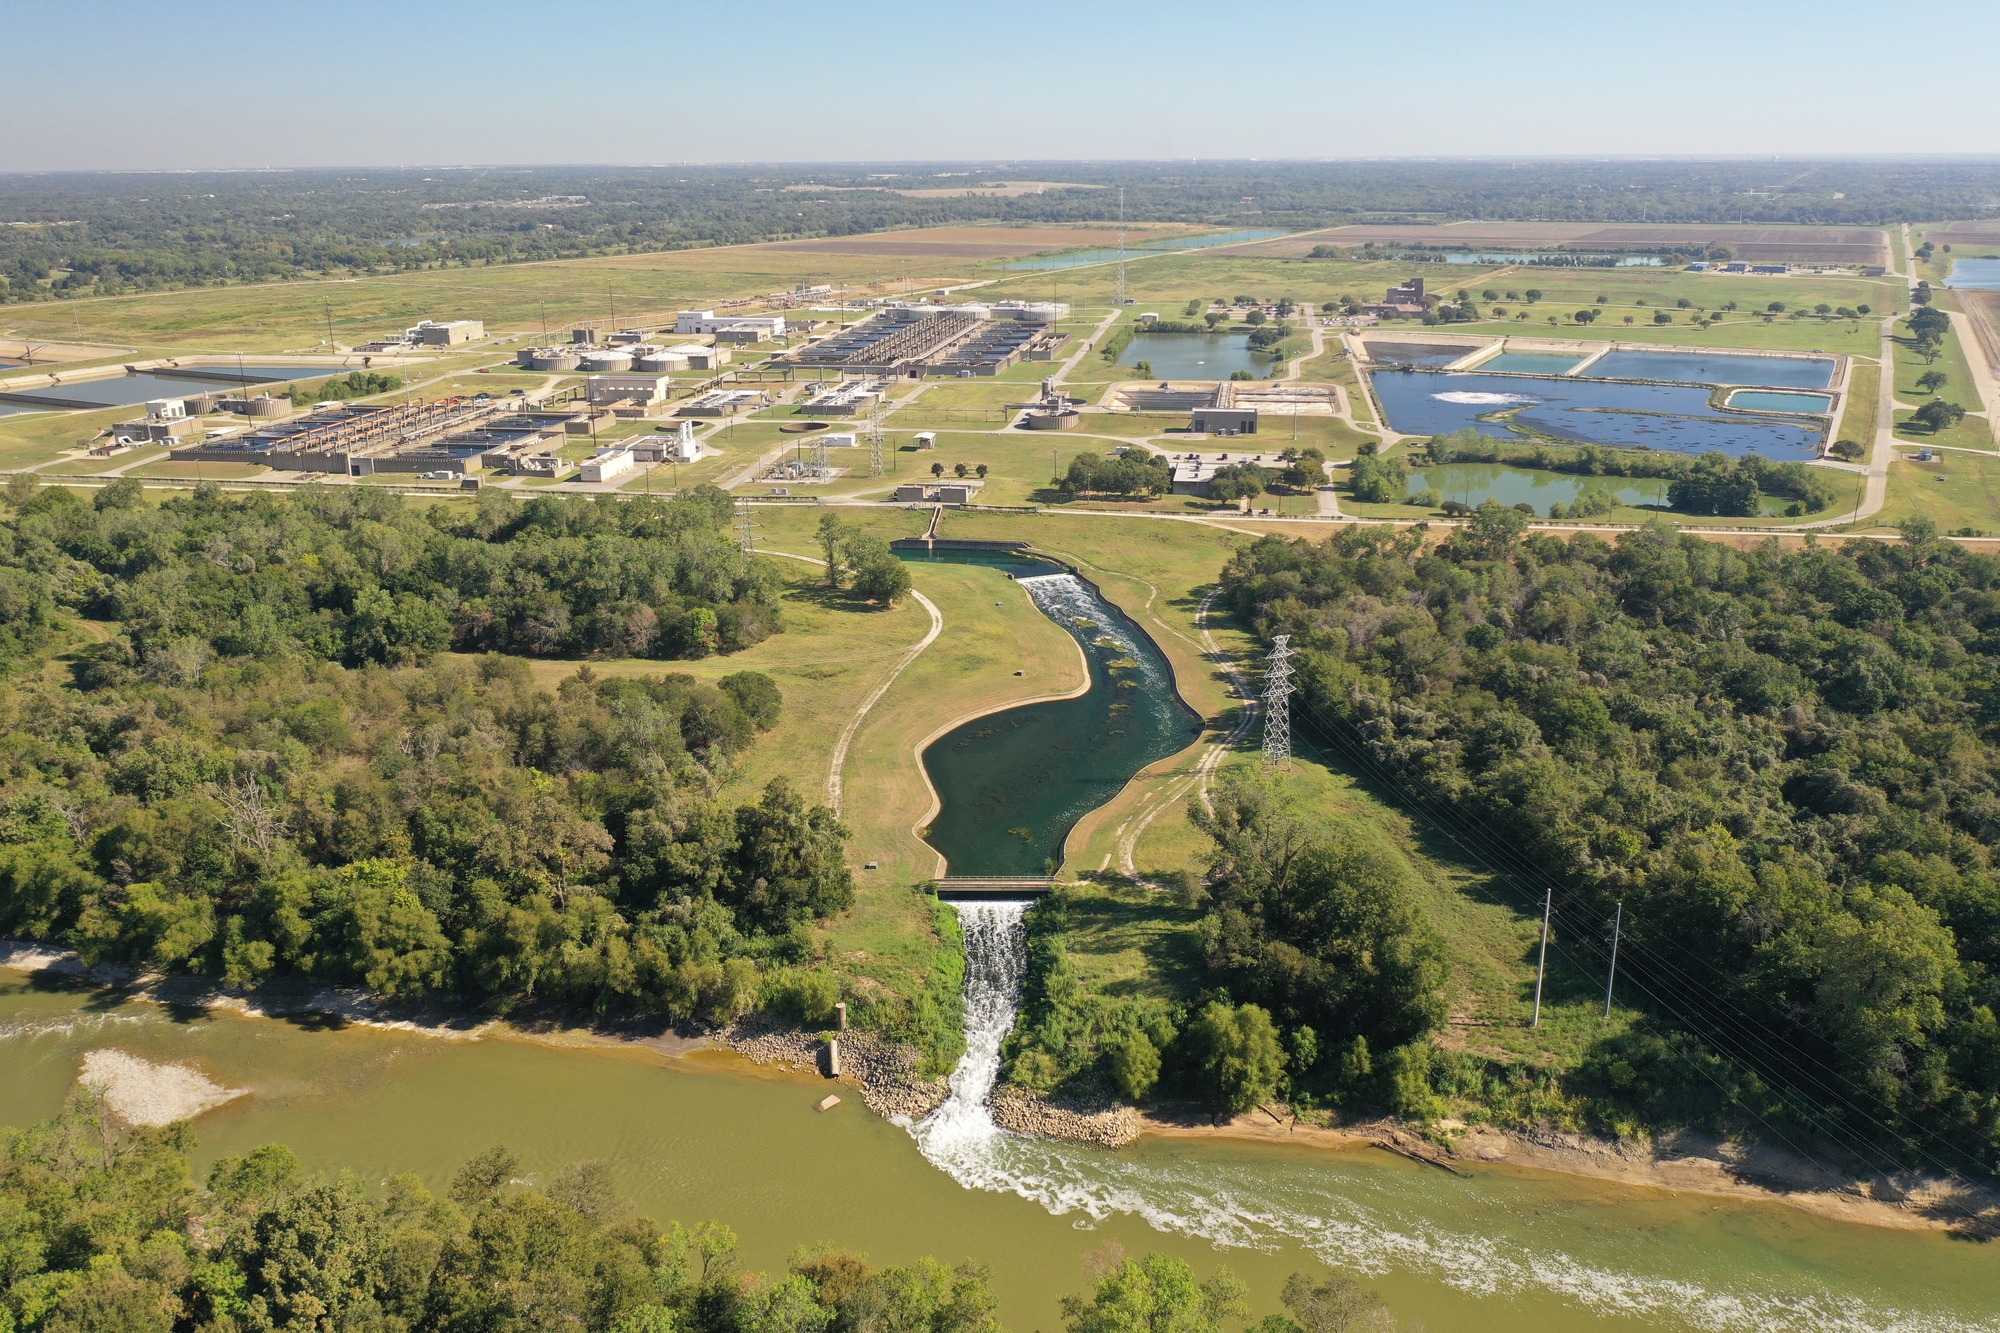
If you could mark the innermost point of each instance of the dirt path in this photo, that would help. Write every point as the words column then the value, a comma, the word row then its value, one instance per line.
column 847, row 733
column 1128, row 834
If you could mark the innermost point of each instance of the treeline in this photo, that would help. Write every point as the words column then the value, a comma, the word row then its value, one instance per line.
column 266, row 770
column 341, row 388
column 77, row 234
column 1782, row 763
column 1134, row 473
column 1709, row 483
column 110, row 1232
column 354, row 575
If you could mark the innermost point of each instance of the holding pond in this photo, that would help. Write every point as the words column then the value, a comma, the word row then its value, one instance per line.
column 1790, row 372
column 1675, row 418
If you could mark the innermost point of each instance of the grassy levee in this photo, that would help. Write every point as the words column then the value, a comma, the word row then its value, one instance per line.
column 991, row 630
column 1971, row 433
column 1861, row 405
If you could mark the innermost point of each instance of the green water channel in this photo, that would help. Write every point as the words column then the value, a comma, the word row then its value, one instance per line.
column 1012, row 784
column 704, row 1136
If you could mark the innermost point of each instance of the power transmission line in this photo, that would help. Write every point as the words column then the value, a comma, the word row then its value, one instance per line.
column 1121, row 245
column 1277, row 704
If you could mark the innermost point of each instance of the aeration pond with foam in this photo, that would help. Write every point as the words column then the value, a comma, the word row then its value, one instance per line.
column 1673, row 418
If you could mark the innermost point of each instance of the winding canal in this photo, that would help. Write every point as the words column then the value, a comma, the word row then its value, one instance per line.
column 1012, row 784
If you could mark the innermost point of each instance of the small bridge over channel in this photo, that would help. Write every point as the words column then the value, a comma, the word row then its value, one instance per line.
column 993, row 886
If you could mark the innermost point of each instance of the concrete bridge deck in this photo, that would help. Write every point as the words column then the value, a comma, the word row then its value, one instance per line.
column 992, row 886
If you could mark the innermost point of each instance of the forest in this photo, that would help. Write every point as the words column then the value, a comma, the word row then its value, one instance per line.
column 74, row 234
column 271, row 765
column 1778, row 767
column 107, row 1230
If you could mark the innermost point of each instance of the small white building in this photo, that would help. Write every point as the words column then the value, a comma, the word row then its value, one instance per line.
column 166, row 409
column 844, row 440
column 707, row 321
column 613, row 462
column 627, row 390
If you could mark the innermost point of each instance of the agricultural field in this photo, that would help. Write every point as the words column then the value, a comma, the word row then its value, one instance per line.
column 272, row 317
column 1761, row 243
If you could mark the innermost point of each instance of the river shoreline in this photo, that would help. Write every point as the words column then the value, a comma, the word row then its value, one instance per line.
column 889, row 1079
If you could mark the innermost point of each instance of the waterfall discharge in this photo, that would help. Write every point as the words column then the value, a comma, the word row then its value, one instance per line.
column 1354, row 1220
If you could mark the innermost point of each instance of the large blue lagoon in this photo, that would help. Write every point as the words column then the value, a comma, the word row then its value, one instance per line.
column 1980, row 274
column 1785, row 372
column 1676, row 418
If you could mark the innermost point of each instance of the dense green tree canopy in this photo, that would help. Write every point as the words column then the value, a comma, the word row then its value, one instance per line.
column 1783, row 762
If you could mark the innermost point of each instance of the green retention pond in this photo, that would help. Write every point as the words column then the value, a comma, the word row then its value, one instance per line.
column 698, row 1137
column 1013, row 783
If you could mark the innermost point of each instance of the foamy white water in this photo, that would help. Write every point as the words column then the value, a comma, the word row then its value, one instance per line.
column 1481, row 399
column 1357, row 1222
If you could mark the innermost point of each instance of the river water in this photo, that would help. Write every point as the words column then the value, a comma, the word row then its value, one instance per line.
column 705, row 1137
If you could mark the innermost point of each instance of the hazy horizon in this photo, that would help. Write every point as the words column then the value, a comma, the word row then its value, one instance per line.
column 140, row 85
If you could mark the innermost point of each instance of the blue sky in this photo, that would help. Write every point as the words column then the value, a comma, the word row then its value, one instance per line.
column 136, row 84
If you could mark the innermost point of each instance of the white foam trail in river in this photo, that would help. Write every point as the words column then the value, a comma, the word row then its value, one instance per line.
column 1353, row 1221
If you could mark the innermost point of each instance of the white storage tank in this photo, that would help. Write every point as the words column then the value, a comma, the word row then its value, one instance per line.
column 604, row 363
column 552, row 358
column 662, row 361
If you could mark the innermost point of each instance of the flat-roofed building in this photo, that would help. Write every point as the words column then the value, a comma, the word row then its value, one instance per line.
column 448, row 333
column 601, row 467
column 707, row 321
column 1230, row 420
column 627, row 389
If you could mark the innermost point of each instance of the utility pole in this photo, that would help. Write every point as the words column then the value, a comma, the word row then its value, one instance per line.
column 1277, row 704
column 1617, row 927
column 1542, row 967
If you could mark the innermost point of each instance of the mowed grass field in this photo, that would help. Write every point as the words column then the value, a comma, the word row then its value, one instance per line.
column 644, row 288
column 1956, row 491
column 1974, row 432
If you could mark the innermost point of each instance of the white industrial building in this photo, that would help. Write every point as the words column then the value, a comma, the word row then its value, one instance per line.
column 707, row 321
column 628, row 390
column 609, row 463
column 668, row 444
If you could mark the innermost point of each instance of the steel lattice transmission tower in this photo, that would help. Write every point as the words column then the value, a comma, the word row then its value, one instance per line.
column 875, row 442
column 1121, row 245
column 746, row 537
column 1278, row 704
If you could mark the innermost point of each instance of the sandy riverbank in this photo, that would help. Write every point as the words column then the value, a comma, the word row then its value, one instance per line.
column 1683, row 1163
column 140, row 1092
column 891, row 1084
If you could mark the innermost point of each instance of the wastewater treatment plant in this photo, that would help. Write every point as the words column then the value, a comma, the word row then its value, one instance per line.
column 1337, row 740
